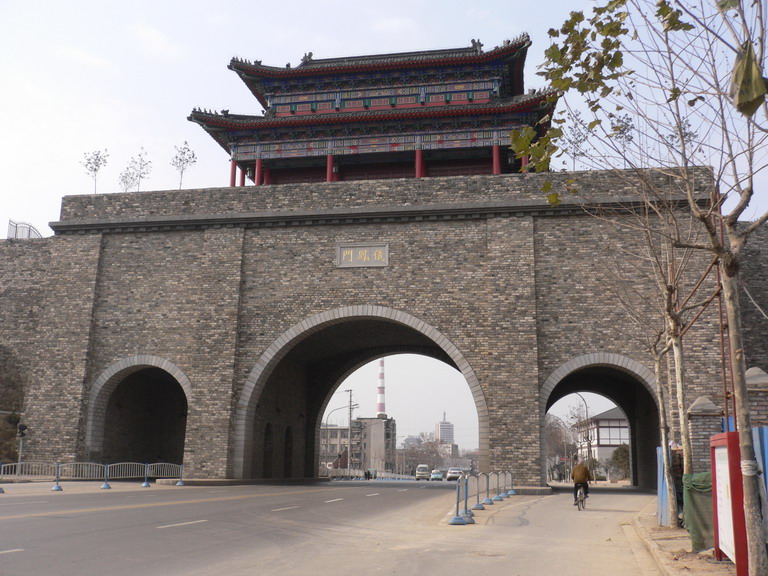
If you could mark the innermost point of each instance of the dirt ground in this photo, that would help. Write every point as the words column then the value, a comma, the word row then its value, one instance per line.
column 672, row 549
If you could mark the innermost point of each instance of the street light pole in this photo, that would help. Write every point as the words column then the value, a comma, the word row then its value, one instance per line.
column 349, row 437
column 589, row 435
column 328, row 432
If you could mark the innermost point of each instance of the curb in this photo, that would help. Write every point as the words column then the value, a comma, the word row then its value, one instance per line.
column 650, row 543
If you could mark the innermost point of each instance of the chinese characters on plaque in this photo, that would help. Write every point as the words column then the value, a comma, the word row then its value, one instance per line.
column 362, row 255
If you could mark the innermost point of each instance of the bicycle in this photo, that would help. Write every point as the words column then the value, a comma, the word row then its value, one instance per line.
column 581, row 499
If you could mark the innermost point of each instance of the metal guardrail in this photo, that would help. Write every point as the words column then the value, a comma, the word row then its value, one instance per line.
column 358, row 474
column 28, row 469
column 473, row 486
column 90, row 471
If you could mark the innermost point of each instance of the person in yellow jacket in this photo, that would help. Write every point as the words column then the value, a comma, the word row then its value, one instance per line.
column 581, row 476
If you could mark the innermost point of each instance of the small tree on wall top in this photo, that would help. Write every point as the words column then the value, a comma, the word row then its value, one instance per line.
column 185, row 158
column 93, row 162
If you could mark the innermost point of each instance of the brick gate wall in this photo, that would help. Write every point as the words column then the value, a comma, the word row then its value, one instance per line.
column 210, row 278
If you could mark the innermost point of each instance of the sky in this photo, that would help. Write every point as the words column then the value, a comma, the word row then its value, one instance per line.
column 82, row 76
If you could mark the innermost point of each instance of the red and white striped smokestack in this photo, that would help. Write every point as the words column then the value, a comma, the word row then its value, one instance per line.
column 380, row 411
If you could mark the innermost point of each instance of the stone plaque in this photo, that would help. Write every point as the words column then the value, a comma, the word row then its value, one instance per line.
column 362, row 255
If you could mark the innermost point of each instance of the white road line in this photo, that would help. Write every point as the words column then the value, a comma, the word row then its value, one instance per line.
column 336, row 500
column 25, row 502
column 375, row 494
column 182, row 524
column 286, row 508
column 403, row 490
column 11, row 551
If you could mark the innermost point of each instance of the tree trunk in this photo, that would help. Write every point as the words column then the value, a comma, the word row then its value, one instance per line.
column 685, row 437
column 758, row 558
column 664, row 429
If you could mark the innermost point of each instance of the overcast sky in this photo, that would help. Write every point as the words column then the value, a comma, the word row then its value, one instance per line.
column 81, row 76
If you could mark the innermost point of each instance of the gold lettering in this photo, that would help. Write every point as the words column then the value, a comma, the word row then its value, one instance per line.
column 362, row 255
column 346, row 256
column 378, row 255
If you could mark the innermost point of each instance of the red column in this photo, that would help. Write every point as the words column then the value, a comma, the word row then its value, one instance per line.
column 419, row 163
column 232, row 172
column 242, row 178
column 329, row 168
column 267, row 179
column 258, row 173
column 496, row 159
column 524, row 161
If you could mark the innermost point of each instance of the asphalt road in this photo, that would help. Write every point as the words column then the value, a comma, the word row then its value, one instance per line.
column 338, row 528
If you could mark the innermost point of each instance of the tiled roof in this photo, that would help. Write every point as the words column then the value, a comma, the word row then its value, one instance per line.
column 312, row 67
column 224, row 120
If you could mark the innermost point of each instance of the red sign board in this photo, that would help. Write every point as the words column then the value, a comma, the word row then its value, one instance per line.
column 728, row 500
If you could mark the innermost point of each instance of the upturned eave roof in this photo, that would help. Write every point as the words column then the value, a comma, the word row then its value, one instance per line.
column 212, row 120
column 253, row 73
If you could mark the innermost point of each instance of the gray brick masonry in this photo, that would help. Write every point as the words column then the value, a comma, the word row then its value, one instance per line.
column 235, row 293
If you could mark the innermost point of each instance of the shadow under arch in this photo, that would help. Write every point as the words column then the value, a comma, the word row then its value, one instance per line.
column 627, row 383
column 106, row 383
column 428, row 341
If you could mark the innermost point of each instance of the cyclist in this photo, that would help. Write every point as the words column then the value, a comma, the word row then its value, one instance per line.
column 581, row 477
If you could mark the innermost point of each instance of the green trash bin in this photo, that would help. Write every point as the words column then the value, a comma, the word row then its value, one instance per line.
column 697, row 510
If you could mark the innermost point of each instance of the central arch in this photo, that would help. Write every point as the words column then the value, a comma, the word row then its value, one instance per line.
column 321, row 351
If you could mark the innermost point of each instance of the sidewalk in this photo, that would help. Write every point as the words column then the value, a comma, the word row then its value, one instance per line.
column 671, row 547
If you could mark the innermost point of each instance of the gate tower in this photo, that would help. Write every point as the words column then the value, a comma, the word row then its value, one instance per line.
column 413, row 114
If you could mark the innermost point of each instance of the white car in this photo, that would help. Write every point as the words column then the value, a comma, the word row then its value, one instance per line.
column 422, row 472
column 454, row 473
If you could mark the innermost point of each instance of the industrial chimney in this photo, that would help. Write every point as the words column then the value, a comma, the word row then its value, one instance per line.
column 380, row 410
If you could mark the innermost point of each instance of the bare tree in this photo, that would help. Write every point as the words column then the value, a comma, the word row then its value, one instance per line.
column 676, row 65
column 93, row 162
column 185, row 158
column 127, row 179
column 137, row 170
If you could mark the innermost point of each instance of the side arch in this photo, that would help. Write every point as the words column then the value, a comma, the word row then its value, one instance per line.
column 106, row 383
column 627, row 383
column 607, row 359
column 259, row 375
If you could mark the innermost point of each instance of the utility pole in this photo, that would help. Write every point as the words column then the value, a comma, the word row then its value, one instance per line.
column 349, row 437
column 589, row 436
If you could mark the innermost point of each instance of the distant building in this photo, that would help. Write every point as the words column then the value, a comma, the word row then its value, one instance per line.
column 412, row 442
column 373, row 443
column 600, row 435
column 444, row 431
column 333, row 441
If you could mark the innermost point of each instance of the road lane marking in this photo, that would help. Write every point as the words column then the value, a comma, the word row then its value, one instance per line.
column 11, row 551
column 182, row 524
column 335, row 500
column 24, row 502
column 185, row 502
column 286, row 508
column 374, row 494
column 403, row 490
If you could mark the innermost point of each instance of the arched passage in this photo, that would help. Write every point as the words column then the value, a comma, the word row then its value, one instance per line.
column 629, row 385
column 292, row 382
column 138, row 412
